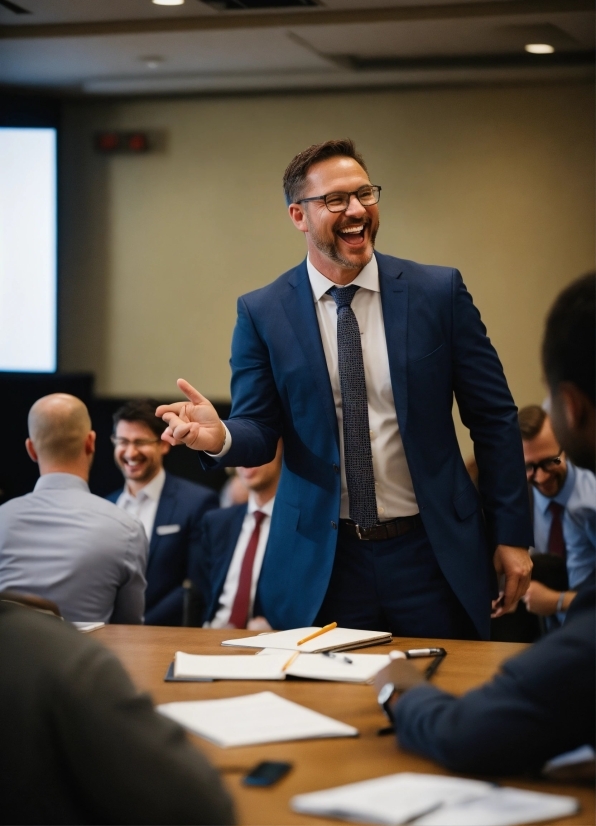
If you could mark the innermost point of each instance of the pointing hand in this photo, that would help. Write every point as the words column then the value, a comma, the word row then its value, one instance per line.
column 194, row 423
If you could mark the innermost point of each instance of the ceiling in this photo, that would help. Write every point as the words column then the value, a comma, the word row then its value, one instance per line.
column 123, row 47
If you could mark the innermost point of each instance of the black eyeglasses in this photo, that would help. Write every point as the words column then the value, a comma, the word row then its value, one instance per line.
column 340, row 201
column 546, row 465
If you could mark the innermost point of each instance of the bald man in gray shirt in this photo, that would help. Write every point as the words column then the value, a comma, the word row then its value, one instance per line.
column 61, row 541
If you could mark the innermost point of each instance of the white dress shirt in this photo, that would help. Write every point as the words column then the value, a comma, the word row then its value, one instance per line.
column 228, row 594
column 144, row 505
column 393, row 483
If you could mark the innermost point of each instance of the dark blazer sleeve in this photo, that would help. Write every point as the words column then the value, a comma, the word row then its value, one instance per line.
column 255, row 422
column 487, row 409
column 540, row 705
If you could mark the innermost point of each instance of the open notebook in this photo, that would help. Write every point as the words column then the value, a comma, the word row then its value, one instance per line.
column 269, row 665
column 338, row 639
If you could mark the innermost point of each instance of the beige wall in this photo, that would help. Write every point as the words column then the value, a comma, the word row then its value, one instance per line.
column 497, row 181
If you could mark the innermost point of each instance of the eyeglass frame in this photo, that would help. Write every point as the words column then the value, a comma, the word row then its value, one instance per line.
column 532, row 467
column 349, row 194
column 120, row 441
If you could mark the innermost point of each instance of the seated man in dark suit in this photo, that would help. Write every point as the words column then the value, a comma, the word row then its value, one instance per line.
column 80, row 744
column 226, row 565
column 170, row 508
column 542, row 702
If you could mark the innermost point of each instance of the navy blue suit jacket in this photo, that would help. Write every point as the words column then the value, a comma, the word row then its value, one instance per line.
column 438, row 348
column 540, row 705
column 211, row 557
column 181, row 503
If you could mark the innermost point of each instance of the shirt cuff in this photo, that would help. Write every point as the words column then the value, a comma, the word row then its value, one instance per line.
column 226, row 445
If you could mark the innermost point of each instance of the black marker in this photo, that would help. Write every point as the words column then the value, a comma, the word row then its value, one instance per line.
column 425, row 652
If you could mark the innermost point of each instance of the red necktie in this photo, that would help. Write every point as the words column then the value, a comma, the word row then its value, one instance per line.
column 239, row 615
column 556, row 540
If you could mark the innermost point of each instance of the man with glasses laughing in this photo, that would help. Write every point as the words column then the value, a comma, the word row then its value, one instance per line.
column 564, row 508
column 170, row 509
column 354, row 358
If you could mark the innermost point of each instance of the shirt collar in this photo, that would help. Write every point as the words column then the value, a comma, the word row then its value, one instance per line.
column 152, row 489
column 563, row 495
column 61, row 481
column 368, row 278
column 266, row 508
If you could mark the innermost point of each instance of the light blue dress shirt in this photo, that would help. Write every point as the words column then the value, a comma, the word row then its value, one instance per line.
column 66, row 544
column 578, row 497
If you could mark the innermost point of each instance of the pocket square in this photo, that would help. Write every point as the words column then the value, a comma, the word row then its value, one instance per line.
column 164, row 530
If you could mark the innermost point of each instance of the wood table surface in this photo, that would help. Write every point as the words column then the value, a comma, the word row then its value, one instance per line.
column 147, row 651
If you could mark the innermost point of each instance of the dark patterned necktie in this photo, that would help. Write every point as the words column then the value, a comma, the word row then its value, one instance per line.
column 357, row 450
column 239, row 614
column 556, row 539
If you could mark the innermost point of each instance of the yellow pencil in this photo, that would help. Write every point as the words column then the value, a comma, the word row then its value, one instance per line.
column 285, row 666
column 318, row 633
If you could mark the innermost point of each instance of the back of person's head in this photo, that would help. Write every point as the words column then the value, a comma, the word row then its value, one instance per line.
column 297, row 170
column 569, row 362
column 140, row 410
column 59, row 425
column 569, row 347
column 531, row 420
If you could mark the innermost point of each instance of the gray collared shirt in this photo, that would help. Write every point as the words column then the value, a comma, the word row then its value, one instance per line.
column 66, row 544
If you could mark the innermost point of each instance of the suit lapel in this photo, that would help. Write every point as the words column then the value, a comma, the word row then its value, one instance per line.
column 394, row 301
column 299, row 306
column 165, row 506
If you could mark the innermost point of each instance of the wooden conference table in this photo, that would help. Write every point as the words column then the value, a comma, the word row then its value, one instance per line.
column 147, row 651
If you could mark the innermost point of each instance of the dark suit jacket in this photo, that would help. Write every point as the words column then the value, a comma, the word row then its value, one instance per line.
column 80, row 745
column 211, row 558
column 438, row 348
column 540, row 705
column 181, row 503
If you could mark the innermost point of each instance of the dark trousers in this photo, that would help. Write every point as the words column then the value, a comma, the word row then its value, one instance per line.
column 393, row 585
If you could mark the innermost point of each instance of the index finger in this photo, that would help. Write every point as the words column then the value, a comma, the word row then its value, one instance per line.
column 191, row 393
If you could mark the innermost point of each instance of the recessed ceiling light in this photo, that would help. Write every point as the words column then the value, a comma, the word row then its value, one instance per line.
column 152, row 61
column 168, row 2
column 539, row 48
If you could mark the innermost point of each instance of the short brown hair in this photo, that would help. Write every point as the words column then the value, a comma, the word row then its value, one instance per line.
column 531, row 419
column 295, row 174
column 140, row 410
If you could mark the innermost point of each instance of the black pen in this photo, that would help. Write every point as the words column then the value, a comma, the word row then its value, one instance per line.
column 433, row 666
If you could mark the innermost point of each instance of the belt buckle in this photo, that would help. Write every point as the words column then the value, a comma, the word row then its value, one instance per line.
column 358, row 534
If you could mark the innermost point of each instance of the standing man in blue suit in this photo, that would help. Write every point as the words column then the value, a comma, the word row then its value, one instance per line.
column 226, row 565
column 354, row 358
column 170, row 509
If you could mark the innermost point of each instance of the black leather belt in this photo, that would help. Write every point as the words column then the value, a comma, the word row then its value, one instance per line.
column 382, row 530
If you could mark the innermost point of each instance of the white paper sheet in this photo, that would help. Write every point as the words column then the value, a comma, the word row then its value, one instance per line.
column 231, row 667
column 253, row 719
column 330, row 640
column 433, row 800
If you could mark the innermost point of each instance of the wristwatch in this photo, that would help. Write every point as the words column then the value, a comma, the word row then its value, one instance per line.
column 385, row 697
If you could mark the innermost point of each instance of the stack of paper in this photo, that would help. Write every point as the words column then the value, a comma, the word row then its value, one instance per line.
column 254, row 719
column 433, row 800
column 337, row 639
column 338, row 667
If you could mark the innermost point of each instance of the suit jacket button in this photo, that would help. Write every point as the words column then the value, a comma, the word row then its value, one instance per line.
column 334, row 526
column 336, row 468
